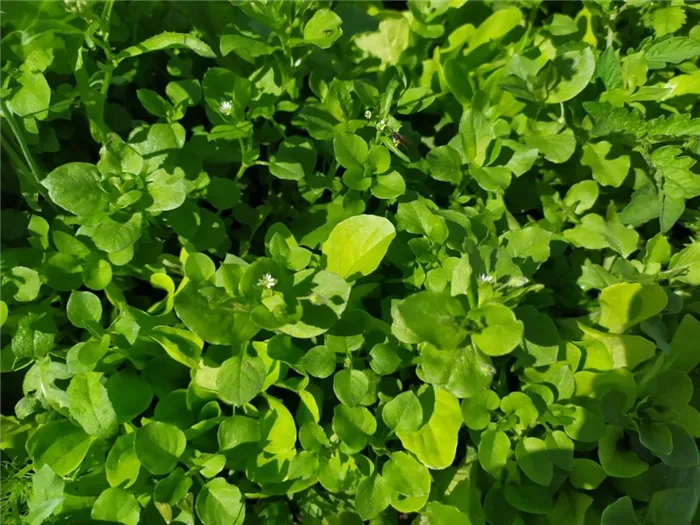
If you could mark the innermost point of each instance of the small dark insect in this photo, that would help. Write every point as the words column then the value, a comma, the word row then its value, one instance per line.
column 400, row 140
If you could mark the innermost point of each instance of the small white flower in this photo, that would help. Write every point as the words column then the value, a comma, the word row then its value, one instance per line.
column 368, row 114
column 381, row 125
column 226, row 107
column 517, row 282
column 267, row 281
column 484, row 278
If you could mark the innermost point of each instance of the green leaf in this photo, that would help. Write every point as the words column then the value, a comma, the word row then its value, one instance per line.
column 420, row 217
column 159, row 446
column 122, row 465
column 32, row 98
column 595, row 233
column 47, row 495
column 499, row 331
column 586, row 426
column 357, row 245
column 213, row 320
column 464, row 372
column 404, row 413
column 684, row 356
column 323, row 29
column 167, row 40
column 114, row 236
column 439, row 514
column 477, row 410
column 129, row 393
column 435, row 443
column 97, row 274
column 586, row 474
column 575, row 65
column 326, row 296
column 608, row 69
column 153, row 102
column 350, row 386
column 388, row 42
column 656, row 437
column 220, row 503
column 406, row 476
column 444, row 164
column 84, row 309
column 533, row 459
column 617, row 462
column 494, row 178
column 350, row 151
column 277, row 428
column 240, row 379
column 319, row 362
column 388, row 186
column 116, row 505
column 560, row 449
column 25, row 281
column 236, row 430
column 685, row 449
column 495, row 26
column 354, row 426
column 372, row 497
column 531, row 242
column 199, row 267
column 172, row 489
column 168, row 190
column 687, row 264
column 620, row 511
column 476, row 134
column 557, row 147
column 295, row 159
column 673, row 50
column 432, row 317
column 528, row 497
column 541, row 338
column 672, row 506
column 606, row 171
column 60, row 445
column 76, row 188
column 624, row 305
column 494, row 449
column 667, row 20
column 90, row 405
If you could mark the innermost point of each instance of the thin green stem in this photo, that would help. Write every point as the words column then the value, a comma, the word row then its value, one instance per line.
column 15, row 157
column 106, row 82
column 24, row 147
column 528, row 30
column 107, row 14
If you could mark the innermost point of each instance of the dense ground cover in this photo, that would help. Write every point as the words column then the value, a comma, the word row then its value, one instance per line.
column 314, row 262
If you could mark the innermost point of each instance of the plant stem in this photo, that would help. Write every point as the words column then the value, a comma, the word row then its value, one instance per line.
column 24, row 147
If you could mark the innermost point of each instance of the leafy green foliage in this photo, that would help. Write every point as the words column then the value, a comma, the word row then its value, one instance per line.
column 331, row 262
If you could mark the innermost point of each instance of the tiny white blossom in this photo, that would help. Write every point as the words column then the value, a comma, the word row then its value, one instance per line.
column 517, row 282
column 484, row 278
column 226, row 107
column 368, row 114
column 381, row 125
column 267, row 281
